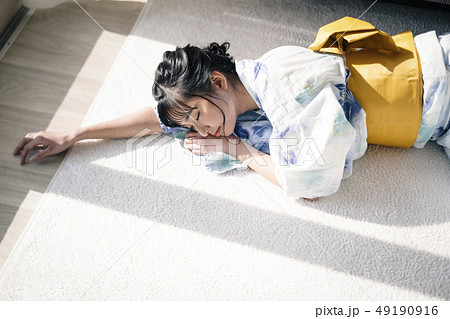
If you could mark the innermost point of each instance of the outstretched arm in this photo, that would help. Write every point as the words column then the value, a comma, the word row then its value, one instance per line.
column 125, row 126
column 55, row 142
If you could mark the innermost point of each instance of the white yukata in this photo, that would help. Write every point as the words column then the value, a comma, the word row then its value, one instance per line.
column 434, row 55
column 318, row 127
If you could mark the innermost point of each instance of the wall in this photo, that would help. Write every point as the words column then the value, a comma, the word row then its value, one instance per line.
column 8, row 9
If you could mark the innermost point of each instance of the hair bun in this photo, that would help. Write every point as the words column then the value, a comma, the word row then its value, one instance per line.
column 220, row 50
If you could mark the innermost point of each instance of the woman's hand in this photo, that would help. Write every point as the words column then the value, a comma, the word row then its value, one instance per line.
column 256, row 160
column 50, row 142
column 200, row 145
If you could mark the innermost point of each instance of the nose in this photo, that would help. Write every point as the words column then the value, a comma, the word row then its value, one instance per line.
column 204, row 131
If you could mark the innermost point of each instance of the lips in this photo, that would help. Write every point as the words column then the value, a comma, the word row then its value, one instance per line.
column 217, row 134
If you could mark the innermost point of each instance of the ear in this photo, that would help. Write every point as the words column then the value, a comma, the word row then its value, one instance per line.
column 219, row 80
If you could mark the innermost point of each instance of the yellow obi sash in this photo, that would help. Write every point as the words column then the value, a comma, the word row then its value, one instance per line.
column 386, row 77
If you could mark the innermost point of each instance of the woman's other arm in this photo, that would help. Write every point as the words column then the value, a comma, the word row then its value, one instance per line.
column 55, row 142
column 258, row 161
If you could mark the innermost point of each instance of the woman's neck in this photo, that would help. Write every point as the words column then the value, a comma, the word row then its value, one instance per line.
column 244, row 101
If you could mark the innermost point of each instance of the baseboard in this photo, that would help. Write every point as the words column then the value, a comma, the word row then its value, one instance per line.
column 433, row 4
column 14, row 28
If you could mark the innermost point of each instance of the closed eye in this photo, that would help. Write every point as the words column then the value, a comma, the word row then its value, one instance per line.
column 198, row 116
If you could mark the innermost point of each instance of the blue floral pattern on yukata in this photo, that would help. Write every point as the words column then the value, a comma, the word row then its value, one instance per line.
column 318, row 127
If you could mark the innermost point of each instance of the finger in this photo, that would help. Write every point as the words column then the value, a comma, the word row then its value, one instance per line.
column 187, row 143
column 40, row 155
column 198, row 140
column 195, row 151
column 195, row 146
column 192, row 134
column 28, row 148
column 22, row 143
column 199, row 150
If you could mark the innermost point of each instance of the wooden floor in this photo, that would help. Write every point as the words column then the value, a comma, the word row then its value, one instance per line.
column 48, row 80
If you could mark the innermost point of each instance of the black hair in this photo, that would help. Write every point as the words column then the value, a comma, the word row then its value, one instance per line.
column 186, row 73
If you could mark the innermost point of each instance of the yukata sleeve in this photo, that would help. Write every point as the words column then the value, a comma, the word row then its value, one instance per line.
column 312, row 139
column 309, row 150
column 436, row 83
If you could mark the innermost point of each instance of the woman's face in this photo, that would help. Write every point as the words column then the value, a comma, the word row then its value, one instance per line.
column 206, row 118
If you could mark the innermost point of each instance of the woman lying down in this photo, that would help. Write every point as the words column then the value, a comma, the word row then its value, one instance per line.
column 289, row 115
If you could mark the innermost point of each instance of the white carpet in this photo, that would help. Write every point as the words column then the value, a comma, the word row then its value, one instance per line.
column 105, row 230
